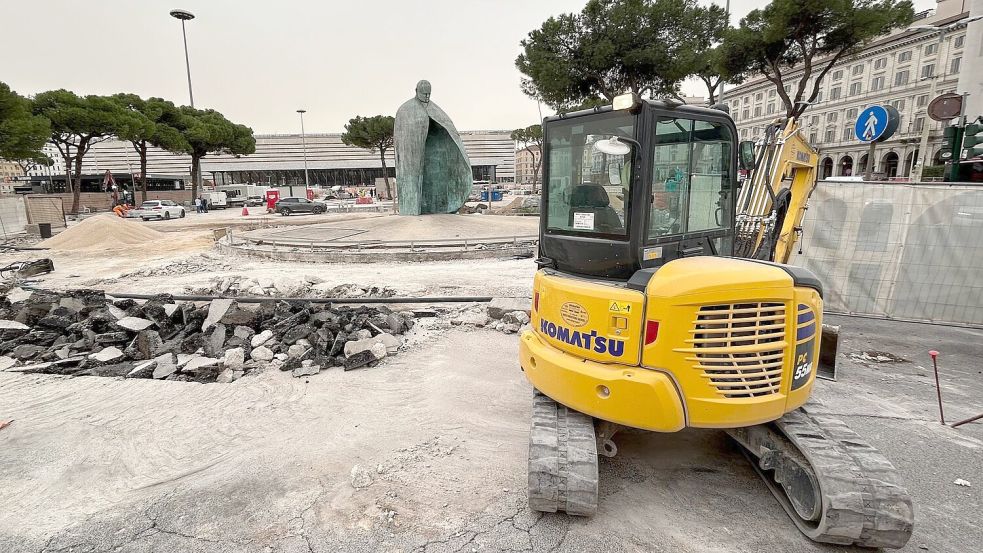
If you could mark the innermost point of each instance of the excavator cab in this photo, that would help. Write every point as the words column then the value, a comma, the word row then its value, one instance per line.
column 643, row 316
column 636, row 188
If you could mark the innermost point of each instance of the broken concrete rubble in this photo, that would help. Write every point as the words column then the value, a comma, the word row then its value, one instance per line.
column 500, row 306
column 82, row 332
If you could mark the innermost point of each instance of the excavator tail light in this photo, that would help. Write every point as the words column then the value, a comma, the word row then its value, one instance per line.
column 535, row 301
column 651, row 331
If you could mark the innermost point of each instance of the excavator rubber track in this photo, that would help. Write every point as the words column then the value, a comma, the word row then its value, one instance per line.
column 816, row 464
column 562, row 459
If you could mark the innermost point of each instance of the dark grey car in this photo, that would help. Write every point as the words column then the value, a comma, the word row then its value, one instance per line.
column 288, row 206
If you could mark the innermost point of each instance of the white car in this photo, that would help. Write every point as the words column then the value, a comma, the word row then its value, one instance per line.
column 160, row 209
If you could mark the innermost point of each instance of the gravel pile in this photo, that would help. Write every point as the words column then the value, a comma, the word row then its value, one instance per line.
column 82, row 332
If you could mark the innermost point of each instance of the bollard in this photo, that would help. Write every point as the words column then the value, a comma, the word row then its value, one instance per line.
column 938, row 388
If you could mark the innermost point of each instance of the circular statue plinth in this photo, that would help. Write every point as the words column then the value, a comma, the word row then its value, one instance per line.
column 391, row 238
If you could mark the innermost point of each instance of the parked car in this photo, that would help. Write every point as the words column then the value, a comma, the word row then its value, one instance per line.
column 160, row 209
column 288, row 206
column 253, row 201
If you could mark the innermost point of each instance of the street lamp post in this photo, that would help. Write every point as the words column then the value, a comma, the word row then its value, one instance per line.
column 303, row 139
column 185, row 15
column 923, row 153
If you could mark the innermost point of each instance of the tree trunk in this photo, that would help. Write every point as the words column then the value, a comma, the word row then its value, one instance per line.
column 385, row 173
column 77, row 188
column 537, row 163
column 142, row 150
column 195, row 168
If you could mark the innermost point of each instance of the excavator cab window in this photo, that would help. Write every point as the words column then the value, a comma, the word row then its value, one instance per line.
column 589, row 190
column 691, row 181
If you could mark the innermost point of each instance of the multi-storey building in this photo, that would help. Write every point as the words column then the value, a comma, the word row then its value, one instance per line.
column 526, row 171
column 279, row 160
column 896, row 69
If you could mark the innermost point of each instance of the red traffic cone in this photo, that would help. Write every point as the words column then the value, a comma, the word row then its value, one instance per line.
column 245, row 211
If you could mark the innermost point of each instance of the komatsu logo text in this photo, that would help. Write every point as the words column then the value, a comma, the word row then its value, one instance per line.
column 589, row 341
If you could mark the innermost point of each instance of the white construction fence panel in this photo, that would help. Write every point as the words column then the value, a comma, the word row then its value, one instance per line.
column 900, row 251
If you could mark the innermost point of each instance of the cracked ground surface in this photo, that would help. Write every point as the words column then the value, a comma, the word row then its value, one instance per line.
column 264, row 465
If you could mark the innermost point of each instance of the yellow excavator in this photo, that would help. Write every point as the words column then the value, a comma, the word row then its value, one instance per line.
column 663, row 301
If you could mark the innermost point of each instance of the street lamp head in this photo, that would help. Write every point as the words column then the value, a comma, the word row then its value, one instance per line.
column 301, row 111
column 183, row 15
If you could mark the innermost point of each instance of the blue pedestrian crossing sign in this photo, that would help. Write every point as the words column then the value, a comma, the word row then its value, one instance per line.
column 876, row 123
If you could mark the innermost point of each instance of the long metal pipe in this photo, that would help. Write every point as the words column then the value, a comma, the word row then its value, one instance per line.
column 259, row 299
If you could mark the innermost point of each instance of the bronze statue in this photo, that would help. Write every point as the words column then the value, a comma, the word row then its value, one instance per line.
column 433, row 173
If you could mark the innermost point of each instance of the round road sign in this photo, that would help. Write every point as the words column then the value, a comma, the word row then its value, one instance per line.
column 876, row 123
column 945, row 107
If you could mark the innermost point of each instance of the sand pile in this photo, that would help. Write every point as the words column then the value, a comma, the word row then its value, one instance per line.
column 101, row 232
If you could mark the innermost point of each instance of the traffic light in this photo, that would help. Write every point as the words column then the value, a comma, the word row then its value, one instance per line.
column 973, row 140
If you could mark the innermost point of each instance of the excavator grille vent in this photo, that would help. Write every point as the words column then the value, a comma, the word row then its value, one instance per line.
column 740, row 347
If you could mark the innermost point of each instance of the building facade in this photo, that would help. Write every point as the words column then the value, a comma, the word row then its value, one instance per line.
column 526, row 171
column 279, row 160
column 897, row 70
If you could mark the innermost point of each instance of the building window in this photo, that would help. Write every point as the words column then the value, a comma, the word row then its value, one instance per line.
column 858, row 69
column 958, row 43
column 880, row 63
column 928, row 70
column 832, row 116
column 814, row 120
column 919, row 124
column 745, row 114
column 829, row 135
column 757, row 111
column 931, row 48
column 847, row 133
column 746, row 100
column 854, row 89
column 743, row 133
column 851, row 113
column 757, row 97
column 819, row 97
column 898, row 105
column 922, row 100
column 771, row 93
column 904, row 56
column 877, row 83
column 834, row 94
column 771, row 109
column 812, row 138
column 901, row 78
column 954, row 66
column 838, row 74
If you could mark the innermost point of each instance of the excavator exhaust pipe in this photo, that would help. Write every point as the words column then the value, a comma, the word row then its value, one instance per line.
column 828, row 345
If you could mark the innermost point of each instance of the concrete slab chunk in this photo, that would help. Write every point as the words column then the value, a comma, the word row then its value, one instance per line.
column 13, row 325
column 165, row 366
column 200, row 363
column 134, row 324
column 261, row 338
column 18, row 295
column 216, row 310
column 261, row 353
column 107, row 355
column 500, row 306
column 309, row 370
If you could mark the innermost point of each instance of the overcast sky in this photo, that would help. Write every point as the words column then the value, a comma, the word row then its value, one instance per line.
column 258, row 61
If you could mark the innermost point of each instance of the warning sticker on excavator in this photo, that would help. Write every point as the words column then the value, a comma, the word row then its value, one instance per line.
column 620, row 307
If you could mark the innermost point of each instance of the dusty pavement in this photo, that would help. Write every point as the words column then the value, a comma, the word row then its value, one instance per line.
column 438, row 434
column 265, row 464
